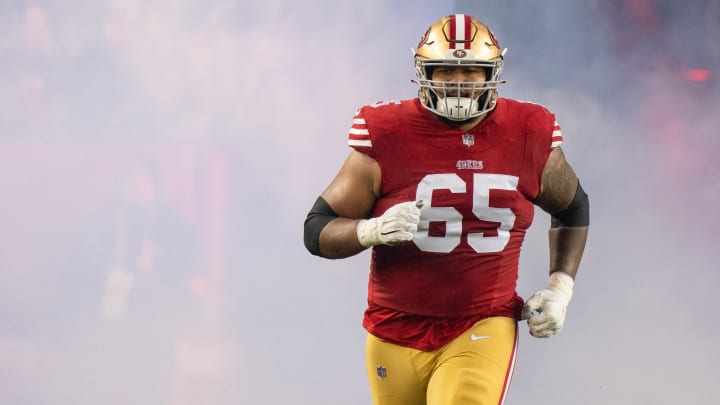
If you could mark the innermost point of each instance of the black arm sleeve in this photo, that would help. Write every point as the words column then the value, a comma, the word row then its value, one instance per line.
column 320, row 215
column 577, row 214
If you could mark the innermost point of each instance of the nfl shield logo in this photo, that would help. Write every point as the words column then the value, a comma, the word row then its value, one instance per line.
column 468, row 140
column 382, row 372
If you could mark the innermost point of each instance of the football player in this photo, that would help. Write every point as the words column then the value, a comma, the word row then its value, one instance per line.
column 442, row 188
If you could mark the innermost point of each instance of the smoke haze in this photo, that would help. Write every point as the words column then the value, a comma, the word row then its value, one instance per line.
column 160, row 157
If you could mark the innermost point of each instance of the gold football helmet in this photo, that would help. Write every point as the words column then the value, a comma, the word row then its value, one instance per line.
column 458, row 39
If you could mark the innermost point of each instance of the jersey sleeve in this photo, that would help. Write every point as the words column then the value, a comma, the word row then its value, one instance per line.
column 557, row 137
column 359, row 134
column 543, row 128
column 543, row 135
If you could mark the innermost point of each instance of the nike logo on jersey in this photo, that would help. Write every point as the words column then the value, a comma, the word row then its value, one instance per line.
column 478, row 337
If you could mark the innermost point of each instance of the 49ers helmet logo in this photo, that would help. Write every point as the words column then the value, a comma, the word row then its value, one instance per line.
column 459, row 53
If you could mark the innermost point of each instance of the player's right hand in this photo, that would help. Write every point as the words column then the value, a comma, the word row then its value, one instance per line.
column 394, row 226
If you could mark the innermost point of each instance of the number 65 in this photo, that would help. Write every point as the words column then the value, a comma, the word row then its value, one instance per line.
column 482, row 184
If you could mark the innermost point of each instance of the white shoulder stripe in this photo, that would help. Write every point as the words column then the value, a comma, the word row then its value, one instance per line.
column 355, row 131
column 359, row 121
column 355, row 142
column 555, row 144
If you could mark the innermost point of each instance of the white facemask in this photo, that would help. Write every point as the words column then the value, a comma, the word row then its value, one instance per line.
column 457, row 108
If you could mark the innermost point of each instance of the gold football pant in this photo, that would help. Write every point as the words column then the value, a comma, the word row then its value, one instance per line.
column 474, row 369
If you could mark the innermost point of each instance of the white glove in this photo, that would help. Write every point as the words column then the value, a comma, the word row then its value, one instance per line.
column 395, row 225
column 545, row 310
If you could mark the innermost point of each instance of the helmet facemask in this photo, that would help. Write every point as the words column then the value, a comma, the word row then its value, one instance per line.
column 458, row 101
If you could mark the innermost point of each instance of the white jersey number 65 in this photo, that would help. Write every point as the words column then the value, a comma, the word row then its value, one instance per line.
column 482, row 184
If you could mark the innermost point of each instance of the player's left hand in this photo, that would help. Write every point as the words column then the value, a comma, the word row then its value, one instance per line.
column 545, row 310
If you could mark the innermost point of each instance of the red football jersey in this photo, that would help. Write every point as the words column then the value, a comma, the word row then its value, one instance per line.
column 476, row 187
